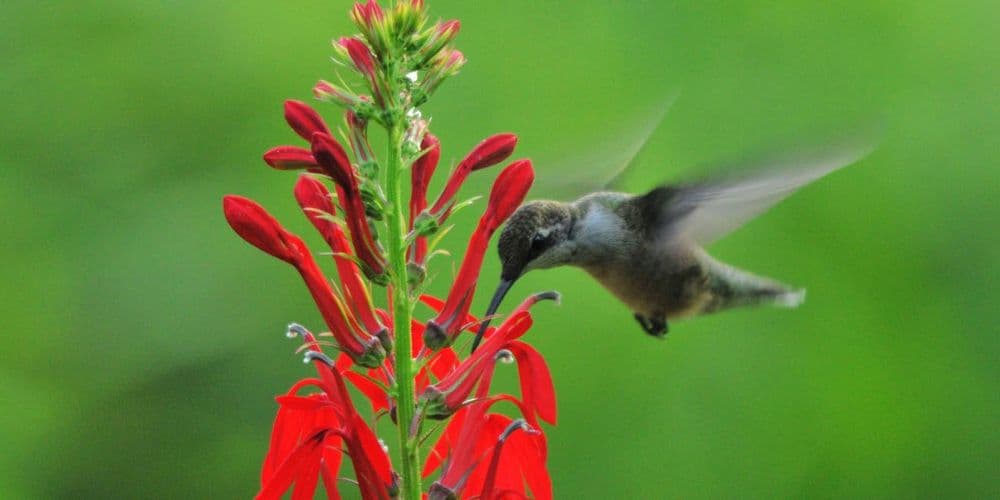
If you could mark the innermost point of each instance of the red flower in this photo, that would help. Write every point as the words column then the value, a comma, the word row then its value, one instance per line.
column 318, row 206
column 507, row 194
column 261, row 230
column 491, row 151
column 471, row 435
column 537, row 391
column 308, row 432
column 332, row 159
column 422, row 171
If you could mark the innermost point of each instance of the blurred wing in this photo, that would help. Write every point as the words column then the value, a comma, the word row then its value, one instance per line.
column 708, row 210
column 602, row 167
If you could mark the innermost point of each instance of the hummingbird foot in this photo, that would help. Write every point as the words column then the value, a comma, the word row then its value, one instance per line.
column 655, row 327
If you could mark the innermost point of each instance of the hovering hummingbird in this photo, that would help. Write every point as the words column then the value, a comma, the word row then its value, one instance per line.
column 648, row 249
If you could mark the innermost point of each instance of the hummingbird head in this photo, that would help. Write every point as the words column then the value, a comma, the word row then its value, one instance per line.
column 537, row 236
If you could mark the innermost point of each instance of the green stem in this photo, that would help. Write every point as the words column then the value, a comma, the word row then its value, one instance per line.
column 409, row 458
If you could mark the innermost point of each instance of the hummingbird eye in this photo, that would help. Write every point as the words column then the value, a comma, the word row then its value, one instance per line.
column 537, row 241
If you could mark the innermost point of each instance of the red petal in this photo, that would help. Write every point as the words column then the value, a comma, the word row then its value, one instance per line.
column 309, row 451
column 370, row 461
column 529, row 450
column 373, row 392
column 445, row 443
column 304, row 120
column 537, row 389
column 330, row 468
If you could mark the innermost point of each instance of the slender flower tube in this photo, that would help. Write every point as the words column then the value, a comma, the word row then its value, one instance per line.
column 507, row 194
column 261, row 230
column 333, row 160
column 491, row 151
column 421, row 173
column 318, row 206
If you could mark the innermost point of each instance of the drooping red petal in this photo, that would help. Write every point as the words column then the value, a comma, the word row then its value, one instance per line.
column 530, row 453
column 375, row 394
column 308, row 478
column 310, row 450
column 329, row 469
column 537, row 389
column 370, row 461
column 303, row 119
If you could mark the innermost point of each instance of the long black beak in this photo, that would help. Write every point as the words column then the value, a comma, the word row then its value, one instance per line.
column 498, row 296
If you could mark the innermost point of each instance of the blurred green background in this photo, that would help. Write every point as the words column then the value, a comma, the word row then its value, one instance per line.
column 144, row 341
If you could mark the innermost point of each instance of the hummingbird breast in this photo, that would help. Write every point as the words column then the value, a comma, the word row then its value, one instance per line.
column 657, row 285
column 654, row 280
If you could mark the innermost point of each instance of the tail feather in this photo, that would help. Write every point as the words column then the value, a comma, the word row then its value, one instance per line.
column 732, row 287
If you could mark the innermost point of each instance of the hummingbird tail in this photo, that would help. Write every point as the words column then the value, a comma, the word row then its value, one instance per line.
column 791, row 299
column 731, row 287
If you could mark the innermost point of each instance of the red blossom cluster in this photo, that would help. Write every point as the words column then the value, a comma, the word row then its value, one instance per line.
column 479, row 453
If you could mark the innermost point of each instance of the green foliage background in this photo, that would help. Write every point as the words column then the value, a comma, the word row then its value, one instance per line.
column 143, row 340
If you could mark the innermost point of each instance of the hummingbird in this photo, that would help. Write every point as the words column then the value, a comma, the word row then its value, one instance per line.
column 648, row 249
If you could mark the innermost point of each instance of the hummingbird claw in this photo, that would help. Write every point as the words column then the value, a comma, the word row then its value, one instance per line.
column 655, row 327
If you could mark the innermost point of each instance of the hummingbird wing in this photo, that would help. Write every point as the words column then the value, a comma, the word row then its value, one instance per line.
column 708, row 210
column 621, row 150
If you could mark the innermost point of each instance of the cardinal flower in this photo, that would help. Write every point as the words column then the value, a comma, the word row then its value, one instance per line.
column 261, row 230
column 396, row 352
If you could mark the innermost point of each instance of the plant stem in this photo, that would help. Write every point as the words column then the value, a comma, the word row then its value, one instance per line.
column 402, row 310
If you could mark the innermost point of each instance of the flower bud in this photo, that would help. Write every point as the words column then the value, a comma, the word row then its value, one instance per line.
column 289, row 158
column 304, row 120
column 491, row 151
